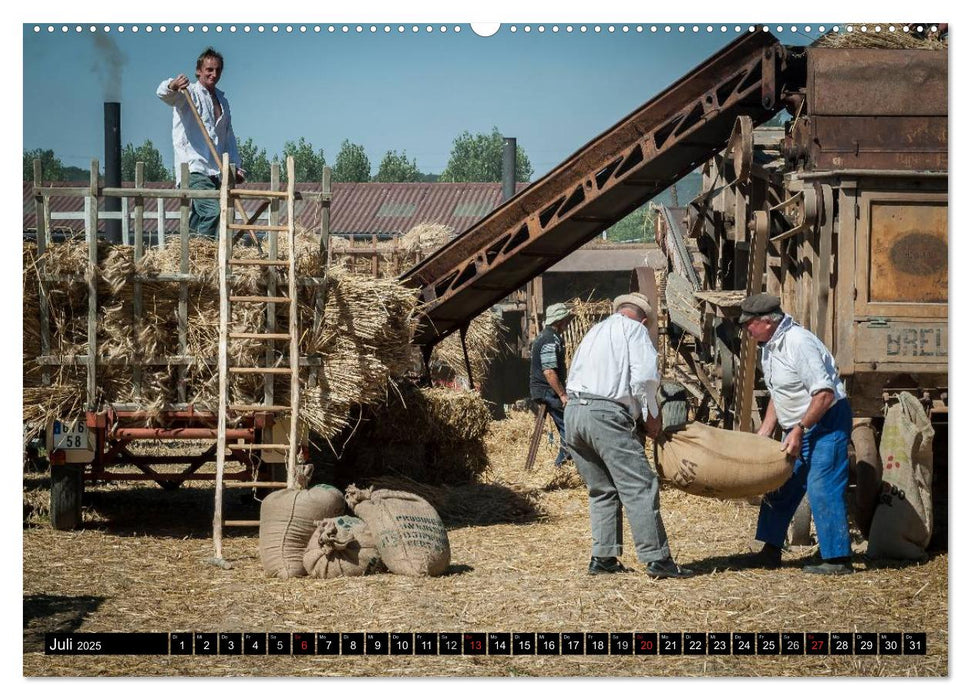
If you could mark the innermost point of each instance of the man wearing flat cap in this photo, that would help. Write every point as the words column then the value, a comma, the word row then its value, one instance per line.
column 612, row 387
column 547, row 375
column 808, row 401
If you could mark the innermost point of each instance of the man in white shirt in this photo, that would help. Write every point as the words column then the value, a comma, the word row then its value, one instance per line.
column 189, row 141
column 611, row 386
column 808, row 400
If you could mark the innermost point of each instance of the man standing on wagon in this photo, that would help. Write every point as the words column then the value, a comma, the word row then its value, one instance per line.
column 808, row 400
column 189, row 140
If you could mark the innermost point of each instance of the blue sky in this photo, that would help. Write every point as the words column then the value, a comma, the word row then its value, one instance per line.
column 411, row 91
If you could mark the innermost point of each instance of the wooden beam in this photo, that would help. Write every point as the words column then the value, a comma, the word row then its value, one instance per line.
column 91, row 235
column 294, row 326
column 183, row 287
column 42, row 212
column 137, row 310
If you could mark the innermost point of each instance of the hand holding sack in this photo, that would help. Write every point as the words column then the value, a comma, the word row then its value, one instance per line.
column 706, row 461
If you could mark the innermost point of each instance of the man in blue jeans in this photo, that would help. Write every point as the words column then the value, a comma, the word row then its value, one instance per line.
column 547, row 375
column 808, row 400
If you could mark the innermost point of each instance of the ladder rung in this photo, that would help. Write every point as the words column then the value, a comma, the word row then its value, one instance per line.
column 259, row 299
column 259, row 336
column 256, row 484
column 258, row 193
column 260, row 370
column 241, row 523
column 259, row 407
column 257, row 227
column 256, row 446
column 258, row 261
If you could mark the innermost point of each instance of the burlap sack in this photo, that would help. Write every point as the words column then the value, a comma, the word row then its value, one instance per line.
column 707, row 461
column 410, row 536
column 903, row 521
column 287, row 521
column 341, row 546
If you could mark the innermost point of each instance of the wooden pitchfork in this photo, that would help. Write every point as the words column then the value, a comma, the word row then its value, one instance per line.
column 215, row 155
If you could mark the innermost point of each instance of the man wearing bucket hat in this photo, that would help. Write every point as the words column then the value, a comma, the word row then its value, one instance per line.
column 808, row 400
column 612, row 387
column 547, row 376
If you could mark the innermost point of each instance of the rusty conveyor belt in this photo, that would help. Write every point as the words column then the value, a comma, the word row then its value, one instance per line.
column 605, row 180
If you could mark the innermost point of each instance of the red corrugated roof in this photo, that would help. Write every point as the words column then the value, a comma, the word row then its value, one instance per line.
column 356, row 207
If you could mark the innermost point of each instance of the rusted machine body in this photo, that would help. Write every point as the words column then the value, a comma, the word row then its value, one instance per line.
column 843, row 214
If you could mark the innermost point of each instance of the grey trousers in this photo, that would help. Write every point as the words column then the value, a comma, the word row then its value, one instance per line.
column 601, row 436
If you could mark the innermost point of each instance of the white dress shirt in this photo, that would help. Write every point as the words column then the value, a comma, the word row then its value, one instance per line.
column 187, row 138
column 616, row 360
column 797, row 365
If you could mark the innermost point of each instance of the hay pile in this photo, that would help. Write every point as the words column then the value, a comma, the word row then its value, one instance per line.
column 884, row 39
column 425, row 238
column 362, row 341
column 483, row 343
column 431, row 434
column 393, row 256
column 585, row 315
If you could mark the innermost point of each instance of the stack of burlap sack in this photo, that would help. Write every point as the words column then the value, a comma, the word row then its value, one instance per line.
column 306, row 532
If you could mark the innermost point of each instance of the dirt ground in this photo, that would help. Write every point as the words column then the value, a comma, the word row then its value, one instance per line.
column 520, row 544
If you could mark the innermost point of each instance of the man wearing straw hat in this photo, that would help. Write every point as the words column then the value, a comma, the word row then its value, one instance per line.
column 190, row 141
column 547, row 375
column 808, row 400
column 612, row 388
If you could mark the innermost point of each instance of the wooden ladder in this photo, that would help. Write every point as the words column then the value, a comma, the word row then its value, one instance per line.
column 229, row 229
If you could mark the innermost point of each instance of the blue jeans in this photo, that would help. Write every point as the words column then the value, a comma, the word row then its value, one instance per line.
column 554, row 407
column 822, row 470
column 204, row 216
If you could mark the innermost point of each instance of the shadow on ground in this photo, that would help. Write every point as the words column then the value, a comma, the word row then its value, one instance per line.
column 47, row 613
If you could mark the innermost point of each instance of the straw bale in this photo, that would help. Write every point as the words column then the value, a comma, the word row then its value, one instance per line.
column 362, row 341
column 425, row 238
column 429, row 414
column 586, row 314
column 481, row 340
column 884, row 39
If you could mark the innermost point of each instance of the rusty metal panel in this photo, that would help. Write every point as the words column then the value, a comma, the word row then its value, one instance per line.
column 895, row 82
column 908, row 252
column 902, row 342
column 879, row 143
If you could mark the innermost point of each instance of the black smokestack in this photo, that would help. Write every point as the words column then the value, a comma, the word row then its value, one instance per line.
column 113, row 167
column 508, row 168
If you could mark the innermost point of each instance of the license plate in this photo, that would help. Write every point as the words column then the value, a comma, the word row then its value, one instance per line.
column 70, row 436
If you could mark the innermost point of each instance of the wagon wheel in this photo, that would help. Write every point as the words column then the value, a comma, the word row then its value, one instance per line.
column 67, row 490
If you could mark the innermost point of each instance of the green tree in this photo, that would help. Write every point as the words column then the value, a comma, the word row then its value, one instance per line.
column 51, row 166
column 254, row 161
column 396, row 167
column 478, row 158
column 636, row 227
column 351, row 164
column 308, row 164
column 155, row 170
